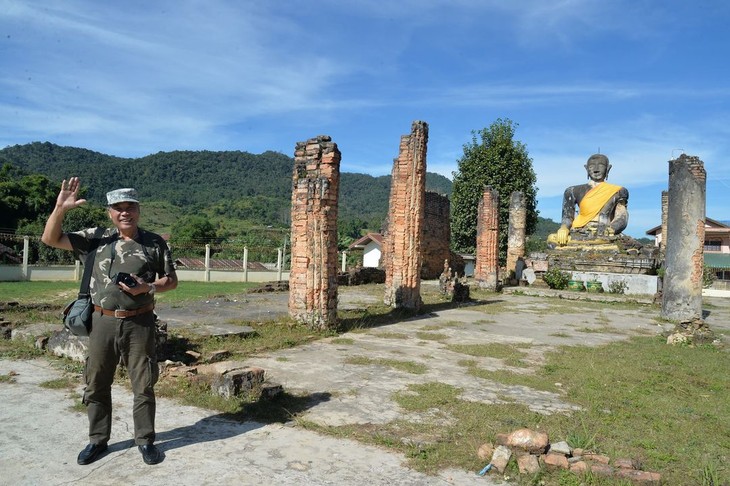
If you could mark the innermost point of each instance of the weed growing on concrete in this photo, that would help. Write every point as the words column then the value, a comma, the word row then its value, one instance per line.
column 60, row 383
column 432, row 336
column 9, row 378
column 407, row 366
column 509, row 353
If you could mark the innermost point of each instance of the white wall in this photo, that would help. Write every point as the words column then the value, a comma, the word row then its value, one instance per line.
column 371, row 255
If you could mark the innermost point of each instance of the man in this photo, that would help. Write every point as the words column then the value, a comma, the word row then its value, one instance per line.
column 602, row 206
column 123, row 326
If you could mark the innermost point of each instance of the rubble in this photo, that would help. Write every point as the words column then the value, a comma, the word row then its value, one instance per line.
column 533, row 452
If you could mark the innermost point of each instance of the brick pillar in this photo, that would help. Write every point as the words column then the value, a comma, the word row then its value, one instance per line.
column 313, row 274
column 436, row 235
column 486, row 272
column 682, row 291
column 663, row 240
column 516, row 231
column 402, row 245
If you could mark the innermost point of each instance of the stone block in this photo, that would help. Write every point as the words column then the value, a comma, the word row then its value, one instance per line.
column 555, row 461
column 528, row 464
column 561, row 447
column 500, row 458
column 624, row 464
column 63, row 343
column 599, row 458
column 528, row 440
column 639, row 477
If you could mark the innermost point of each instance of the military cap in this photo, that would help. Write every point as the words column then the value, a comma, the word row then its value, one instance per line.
column 121, row 195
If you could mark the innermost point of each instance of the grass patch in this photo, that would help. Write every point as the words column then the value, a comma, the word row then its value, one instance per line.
column 669, row 413
column 431, row 336
column 406, row 366
column 600, row 330
column 64, row 383
column 509, row 353
column 560, row 334
column 9, row 378
column 391, row 335
column 348, row 341
column 19, row 349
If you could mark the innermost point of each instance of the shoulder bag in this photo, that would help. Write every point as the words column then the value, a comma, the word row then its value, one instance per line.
column 77, row 314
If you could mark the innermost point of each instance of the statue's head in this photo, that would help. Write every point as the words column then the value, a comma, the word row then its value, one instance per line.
column 597, row 167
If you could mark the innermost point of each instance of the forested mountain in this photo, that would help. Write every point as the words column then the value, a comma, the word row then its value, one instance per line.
column 231, row 184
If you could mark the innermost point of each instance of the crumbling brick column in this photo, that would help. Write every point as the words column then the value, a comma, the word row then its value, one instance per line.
column 402, row 245
column 682, row 291
column 486, row 271
column 313, row 275
column 436, row 235
column 516, row 231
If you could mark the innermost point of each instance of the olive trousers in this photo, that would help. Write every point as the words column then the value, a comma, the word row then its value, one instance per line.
column 131, row 342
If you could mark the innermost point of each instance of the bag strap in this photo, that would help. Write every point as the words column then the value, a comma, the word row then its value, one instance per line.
column 89, row 266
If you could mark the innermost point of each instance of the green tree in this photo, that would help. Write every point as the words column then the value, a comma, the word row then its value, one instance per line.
column 495, row 159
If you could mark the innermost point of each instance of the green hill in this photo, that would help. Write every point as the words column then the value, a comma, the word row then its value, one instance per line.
column 244, row 188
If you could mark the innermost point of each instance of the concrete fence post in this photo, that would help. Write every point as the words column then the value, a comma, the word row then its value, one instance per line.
column 245, row 264
column 207, row 263
column 26, row 251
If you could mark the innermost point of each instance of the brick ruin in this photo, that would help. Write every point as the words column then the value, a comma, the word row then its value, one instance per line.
column 402, row 244
column 486, row 271
column 685, row 239
column 436, row 235
column 313, row 275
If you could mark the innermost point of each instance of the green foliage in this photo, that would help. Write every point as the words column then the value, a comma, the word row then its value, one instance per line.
column 708, row 277
column 495, row 159
column 23, row 197
column 556, row 279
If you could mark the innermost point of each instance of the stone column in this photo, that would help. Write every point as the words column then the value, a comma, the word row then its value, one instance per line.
column 516, row 232
column 663, row 240
column 402, row 245
column 682, row 291
column 436, row 235
column 486, row 272
column 313, row 273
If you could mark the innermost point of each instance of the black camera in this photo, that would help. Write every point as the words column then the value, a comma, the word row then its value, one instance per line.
column 125, row 278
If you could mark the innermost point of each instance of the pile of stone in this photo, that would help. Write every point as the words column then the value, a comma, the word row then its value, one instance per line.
column 225, row 378
column 450, row 286
column 691, row 333
column 533, row 452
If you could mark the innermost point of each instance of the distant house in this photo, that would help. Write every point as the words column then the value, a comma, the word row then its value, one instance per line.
column 372, row 249
column 717, row 246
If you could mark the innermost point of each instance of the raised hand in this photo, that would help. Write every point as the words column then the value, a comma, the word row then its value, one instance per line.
column 67, row 198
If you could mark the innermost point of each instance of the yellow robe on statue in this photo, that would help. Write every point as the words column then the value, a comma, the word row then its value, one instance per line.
column 593, row 202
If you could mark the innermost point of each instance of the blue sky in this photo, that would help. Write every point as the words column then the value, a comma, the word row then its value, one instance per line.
column 641, row 81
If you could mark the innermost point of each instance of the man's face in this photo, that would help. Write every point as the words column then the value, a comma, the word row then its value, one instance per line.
column 124, row 215
column 597, row 170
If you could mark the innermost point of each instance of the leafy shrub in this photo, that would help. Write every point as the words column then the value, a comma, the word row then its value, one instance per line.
column 556, row 279
column 708, row 277
column 617, row 287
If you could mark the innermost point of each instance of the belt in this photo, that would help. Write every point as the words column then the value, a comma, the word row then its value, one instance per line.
column 121, row 313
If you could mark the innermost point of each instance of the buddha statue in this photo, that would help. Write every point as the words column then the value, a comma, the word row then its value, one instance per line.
column 602, row 212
